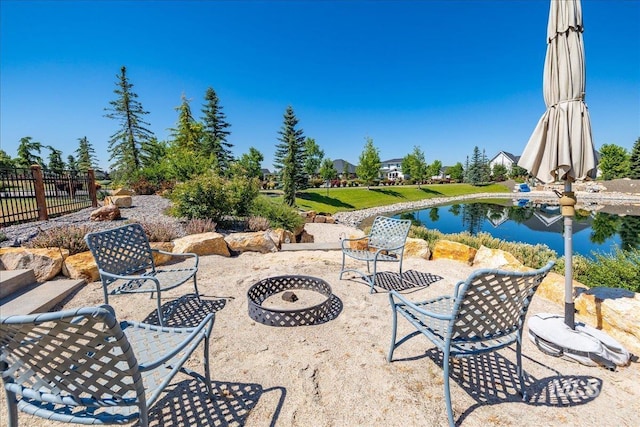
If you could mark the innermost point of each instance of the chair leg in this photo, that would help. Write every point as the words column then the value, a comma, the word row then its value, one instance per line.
column 195, row 286
column 159, row 301
column 12, row 406
column 447, row 388
column 207, row 372
column 342, row 268
column 394, row 328
column 521, row 390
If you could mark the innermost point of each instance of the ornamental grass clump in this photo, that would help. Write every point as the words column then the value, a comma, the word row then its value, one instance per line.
column 68, row 237
column 199, row 225
column 258, row 223
column 160, row 230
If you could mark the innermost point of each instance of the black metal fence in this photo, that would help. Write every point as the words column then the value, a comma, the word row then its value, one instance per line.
column 34, row 194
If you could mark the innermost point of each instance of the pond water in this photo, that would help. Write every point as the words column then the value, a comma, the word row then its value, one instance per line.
column 523, row 221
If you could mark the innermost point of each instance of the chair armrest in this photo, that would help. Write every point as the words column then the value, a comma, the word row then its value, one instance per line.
column 181, row 254
column 121, row 277
column 203, row 328
column 393, row 295
column 355, row 239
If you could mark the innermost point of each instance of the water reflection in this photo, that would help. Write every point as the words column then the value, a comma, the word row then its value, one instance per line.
column 524, row 221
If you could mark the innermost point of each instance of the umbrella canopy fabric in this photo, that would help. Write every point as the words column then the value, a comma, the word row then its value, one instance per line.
column 561, row 146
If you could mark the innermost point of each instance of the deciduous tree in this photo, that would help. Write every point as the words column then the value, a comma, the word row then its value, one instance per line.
column 614, row 162
column 289, row 157
column 369, row 163
column 456, row 172
column 250, row 164
column 125, row 143
column 313, row 157
column 415, row 165
column 328, row 172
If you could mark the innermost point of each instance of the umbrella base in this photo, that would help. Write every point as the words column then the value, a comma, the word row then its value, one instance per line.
column 586, row 345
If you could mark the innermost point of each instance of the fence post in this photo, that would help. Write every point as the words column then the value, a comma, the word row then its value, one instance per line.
column 93, row 194
column 38, row 186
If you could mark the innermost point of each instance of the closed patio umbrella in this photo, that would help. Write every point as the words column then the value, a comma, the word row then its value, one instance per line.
column 561, row 146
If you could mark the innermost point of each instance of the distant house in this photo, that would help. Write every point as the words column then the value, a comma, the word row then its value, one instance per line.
column 266, row 173
column 505, row 159
column 392, row 169
column 345, row 169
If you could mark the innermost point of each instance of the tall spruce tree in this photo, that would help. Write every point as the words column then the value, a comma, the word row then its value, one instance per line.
column 289, row 157
column 85, row 155
column 188, row 134
column 55, row 160
column 215, row 133
column 476, row 169
column 27, row 150
column 634, row 161
column 125, row 144
column 369, row 164
column 72, row 165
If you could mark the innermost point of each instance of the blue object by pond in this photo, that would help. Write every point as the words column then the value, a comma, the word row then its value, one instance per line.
column 524, row 188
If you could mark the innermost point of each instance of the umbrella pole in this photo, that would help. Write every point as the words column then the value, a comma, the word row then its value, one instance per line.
column 567, row 203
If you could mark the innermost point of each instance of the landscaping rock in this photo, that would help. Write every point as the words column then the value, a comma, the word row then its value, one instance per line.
column 210, row 243
column 158, row 258
column 46, row 263
column 251, row 242
column 417, row 248
column 496, row 258
column 106, row 213
column 81, row 266
column 119, row 201
column 453, row 250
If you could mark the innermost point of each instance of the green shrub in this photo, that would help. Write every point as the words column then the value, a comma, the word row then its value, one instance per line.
column 3, row 237
column 67, row 237
column 620, row 269
column 316, row 182
column 279, row 214
column 214, row 197
column 198, row 226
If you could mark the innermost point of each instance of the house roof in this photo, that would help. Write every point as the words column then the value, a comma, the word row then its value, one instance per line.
column 508, row 155
column 392, row 161
column 343, row 166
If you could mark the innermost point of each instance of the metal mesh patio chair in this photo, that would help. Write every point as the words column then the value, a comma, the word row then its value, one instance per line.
column 83, row 366
column 126, row 265
column 384, row 243
column 485, row 313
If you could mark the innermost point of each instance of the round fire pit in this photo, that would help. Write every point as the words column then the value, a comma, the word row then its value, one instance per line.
column 262, row 290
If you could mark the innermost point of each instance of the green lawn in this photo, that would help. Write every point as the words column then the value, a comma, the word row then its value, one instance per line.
column 354, row 198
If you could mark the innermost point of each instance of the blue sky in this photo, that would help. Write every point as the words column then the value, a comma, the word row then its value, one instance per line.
column 443, row 75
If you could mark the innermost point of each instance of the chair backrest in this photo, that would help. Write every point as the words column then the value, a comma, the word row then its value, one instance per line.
column 493, row 303
column 389, row 233
column 76, row 357
column 124, row 250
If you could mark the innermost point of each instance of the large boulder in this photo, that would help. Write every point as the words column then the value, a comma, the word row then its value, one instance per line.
column 446, row 249
column 81, row 266
column 496, row 258
column 158, row 258
column 280, row 236
column 260, row 241
column 121, row 192
column 46, row 263
column 106, row 213
column 210, row 243
column 119, row 201
column 417, row 248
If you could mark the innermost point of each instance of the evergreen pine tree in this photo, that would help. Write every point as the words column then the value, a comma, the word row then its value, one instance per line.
column 6, row 162
column 26, row 152
column 72, row 165
column 125, row 144
column 188, row 133
column 153, row 152
column 215, row 133
column 85, row 155
column 368, row 168
column 289, row 157
column 634, row 161
column 55, row 160
column 476, row 167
